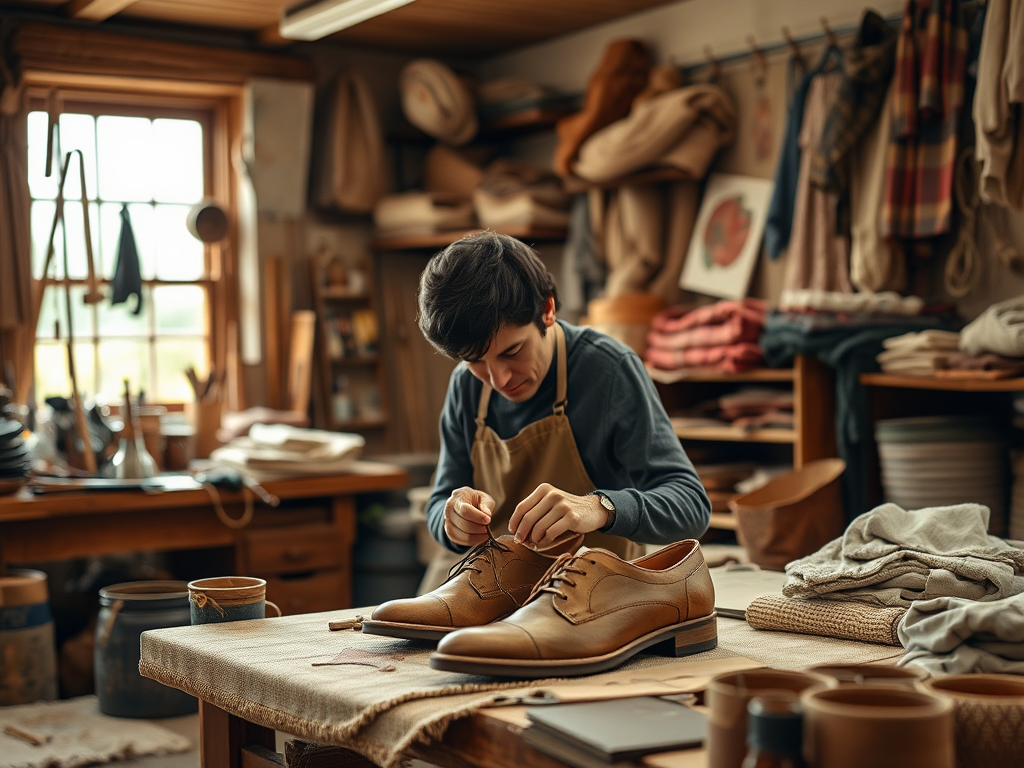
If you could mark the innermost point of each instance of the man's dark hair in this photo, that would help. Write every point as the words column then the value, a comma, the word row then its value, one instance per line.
column 476, row 286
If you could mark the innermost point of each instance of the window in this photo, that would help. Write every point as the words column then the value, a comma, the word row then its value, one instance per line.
column 154, row 161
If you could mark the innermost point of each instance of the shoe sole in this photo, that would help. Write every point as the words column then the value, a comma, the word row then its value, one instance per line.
column 694, row 636
column 405, row 631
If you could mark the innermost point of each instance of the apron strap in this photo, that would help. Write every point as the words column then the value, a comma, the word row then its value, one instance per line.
column 562, row 385
column 481, row 411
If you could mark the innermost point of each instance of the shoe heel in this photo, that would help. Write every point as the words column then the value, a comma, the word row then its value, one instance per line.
column 699, row 636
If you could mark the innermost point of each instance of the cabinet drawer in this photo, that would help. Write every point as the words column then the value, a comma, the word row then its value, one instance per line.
column 294, row 549
column 320, row 591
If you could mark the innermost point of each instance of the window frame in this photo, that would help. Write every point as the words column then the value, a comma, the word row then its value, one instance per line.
column 216, row 109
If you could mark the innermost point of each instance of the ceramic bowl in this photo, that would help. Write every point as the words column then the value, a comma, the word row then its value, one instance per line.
column 989, row 715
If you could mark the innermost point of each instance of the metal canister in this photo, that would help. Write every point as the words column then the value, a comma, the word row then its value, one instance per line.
column 28, row 658
column 126, row 611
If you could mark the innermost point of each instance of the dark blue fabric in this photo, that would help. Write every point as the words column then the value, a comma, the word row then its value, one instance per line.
column 849, row 345
column 127, row 275
column 623, row 434
column 779, row 223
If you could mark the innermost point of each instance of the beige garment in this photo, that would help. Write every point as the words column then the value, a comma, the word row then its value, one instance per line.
column 875, row 265
column 998, row 100
column 633, row 230
column 818, row 257
column 683, row 201
column 543, row 452
column 354, row 174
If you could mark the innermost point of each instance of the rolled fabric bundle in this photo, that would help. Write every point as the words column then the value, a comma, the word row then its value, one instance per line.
column 683, row 129
column 437, row 101
column 828, row 618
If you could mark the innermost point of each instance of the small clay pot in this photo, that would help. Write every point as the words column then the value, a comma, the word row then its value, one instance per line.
column 989, row 714
column 881, row 726
column 727, row 697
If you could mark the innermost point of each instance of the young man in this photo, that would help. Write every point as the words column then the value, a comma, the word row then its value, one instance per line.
column 577, row 439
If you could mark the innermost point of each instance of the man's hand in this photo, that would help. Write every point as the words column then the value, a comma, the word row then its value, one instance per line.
column 467, row 513
column 548, row 513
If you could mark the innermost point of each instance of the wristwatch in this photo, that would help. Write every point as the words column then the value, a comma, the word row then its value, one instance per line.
column 608, row 504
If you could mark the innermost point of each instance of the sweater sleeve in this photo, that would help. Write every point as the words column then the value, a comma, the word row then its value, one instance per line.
column 666, row 501
column 454, row 468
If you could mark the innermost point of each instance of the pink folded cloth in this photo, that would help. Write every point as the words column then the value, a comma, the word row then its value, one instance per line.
column 729, row 358
column 736, row 328
column 676, row 319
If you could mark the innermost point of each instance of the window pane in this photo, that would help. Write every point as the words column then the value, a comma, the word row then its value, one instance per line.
column 54, row 308
column 77, row 132
column 52, row 378
column 42, row 219
column 179, row 256
column 141, row 218
column 126, row 148
column 39, row 186
column 122, row 360
column 119, row 320
column 77, row 254
column 178, row 161
column 172, row 358
column 180, row 309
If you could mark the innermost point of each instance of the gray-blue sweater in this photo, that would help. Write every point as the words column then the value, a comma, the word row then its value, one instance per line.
column 624, row 436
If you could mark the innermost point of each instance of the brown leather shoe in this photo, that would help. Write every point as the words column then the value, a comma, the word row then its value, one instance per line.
column 492, row 580
column 592, row 612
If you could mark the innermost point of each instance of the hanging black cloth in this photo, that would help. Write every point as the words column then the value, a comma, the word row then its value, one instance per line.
column 127, row 275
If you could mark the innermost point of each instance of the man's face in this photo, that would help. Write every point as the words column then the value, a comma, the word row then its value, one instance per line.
column 517, row 360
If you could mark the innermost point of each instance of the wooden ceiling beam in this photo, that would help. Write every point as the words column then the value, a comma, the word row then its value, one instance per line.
column 96, row 10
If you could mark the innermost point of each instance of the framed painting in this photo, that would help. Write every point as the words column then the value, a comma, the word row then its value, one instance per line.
column 726, row 239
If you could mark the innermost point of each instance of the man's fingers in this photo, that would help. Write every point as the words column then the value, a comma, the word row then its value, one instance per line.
column 469, row 512
column 526, row 530
column 515, row 522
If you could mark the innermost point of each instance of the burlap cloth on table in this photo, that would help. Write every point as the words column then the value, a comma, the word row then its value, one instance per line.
column 829, row 618
column 264, row 671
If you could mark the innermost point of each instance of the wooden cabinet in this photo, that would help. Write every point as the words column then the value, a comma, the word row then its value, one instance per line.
column 811, row 437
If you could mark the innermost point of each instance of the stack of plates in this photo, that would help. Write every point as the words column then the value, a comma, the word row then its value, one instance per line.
column 15, row 456
column 936, row 461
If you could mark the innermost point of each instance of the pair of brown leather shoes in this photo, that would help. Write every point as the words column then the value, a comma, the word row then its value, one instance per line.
column 588, row 612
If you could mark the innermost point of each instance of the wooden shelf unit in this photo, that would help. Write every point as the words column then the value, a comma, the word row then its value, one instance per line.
column 812, row 436
column 438, row 240
column 942, row 383
column 366, row 366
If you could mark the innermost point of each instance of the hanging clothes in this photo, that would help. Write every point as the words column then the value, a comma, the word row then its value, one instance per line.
column 818, row 255
column 931, row 54
column 867, row 71
column 998, row 101
column 779, row 223
column 127, row 275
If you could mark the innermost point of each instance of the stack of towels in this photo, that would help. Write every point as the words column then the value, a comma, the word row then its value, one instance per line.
column 722, row 337
column 918, row 354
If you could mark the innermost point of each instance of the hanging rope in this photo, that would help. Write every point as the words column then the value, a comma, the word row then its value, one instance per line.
column 963, row 265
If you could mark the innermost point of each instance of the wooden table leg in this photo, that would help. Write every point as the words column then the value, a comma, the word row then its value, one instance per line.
column 222, row 737
column 343, row 514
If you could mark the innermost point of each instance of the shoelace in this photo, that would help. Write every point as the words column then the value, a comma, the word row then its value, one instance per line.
column 560, row 571
column 481, row 552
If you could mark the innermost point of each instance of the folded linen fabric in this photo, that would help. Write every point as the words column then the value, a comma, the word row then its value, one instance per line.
column 272, row 451
column 514, row 192
column 828, row 618
column 736, row 329
column 421, row 212
column 683, row 128
column 885, row 303
column 999, row 329
column 890, row 556
column 731, row 358
column 985, row 362
column 951, row 635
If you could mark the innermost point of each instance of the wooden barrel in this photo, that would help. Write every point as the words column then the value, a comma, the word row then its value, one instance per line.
column 28, row 659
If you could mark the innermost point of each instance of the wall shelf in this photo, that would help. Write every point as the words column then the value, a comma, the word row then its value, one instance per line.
column 436, row 240
column 946, row 384
column 706, row 374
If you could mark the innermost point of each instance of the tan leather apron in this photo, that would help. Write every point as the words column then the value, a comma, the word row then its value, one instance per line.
column 510, row 470
column 543, row 452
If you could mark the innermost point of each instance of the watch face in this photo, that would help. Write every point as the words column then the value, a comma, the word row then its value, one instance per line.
column 606, row 502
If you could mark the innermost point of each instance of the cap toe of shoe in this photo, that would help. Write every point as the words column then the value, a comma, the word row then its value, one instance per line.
column 498, row 640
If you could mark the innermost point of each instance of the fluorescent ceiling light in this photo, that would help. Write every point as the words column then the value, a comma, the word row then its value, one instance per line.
column 313, row 20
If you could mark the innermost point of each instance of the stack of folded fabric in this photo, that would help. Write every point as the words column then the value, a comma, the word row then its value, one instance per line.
column 995, row 340
column 410, row 213
column 758, row 408
column 517, row 193
column 722, row 337
column 884, row 303
column 276, row 451
column 918, row 354
column 860, row 585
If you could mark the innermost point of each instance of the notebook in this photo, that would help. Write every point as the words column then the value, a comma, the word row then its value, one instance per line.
column 618, row 730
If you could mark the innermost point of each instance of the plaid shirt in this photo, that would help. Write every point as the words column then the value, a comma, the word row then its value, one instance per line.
column 928, row 92
column 867, row 71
